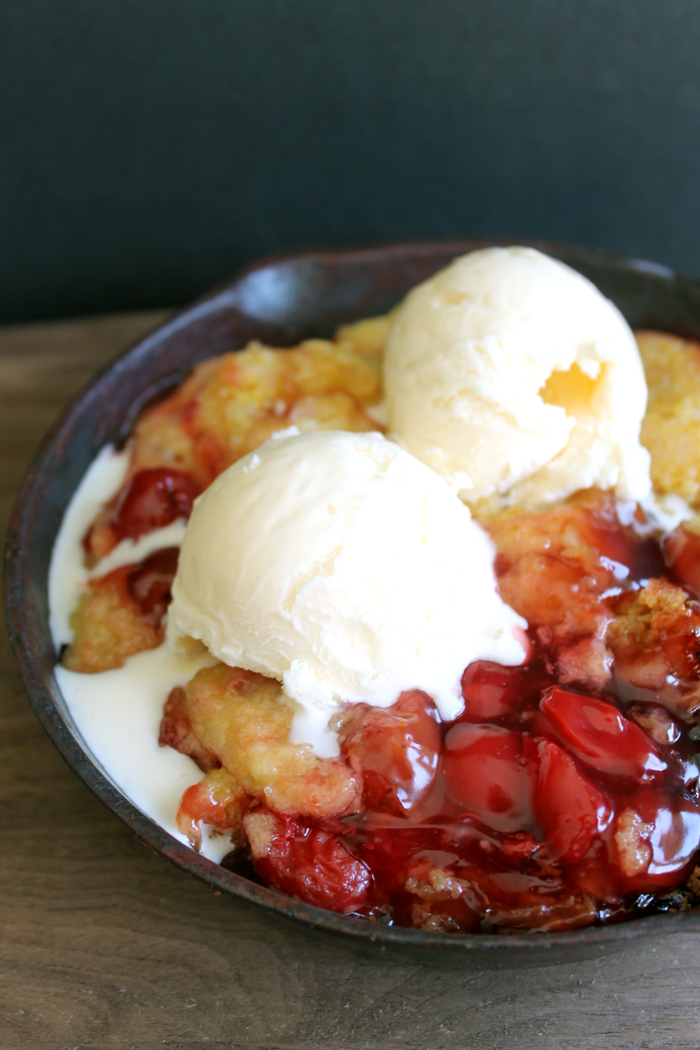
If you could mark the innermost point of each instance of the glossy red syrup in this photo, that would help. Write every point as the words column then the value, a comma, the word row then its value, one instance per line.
column 150, row 583
column 525, row 811
column 682, row 555
column 153, row 499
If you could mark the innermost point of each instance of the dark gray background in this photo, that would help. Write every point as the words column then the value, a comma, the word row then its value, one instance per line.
column 149, row 147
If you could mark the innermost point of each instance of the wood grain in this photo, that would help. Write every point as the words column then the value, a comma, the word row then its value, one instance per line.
column 104, row 945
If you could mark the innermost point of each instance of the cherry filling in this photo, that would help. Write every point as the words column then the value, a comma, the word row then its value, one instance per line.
column 559, row 812
column 549, row 803
column 681, row 552
column 151, row 499
column 150, row 582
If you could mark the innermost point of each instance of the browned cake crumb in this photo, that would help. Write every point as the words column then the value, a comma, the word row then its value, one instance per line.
column 446, row 903
column 549, row 563
column 671, row 427
column 231, row 404
column 693, row 884
column 654, row 636
column 367, row 336
column 244, row 719
column 108, row 626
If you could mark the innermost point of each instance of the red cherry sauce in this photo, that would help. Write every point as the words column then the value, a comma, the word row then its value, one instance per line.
column 150, row 583
column 545, row 804
column 151, row 499
column 681, row 550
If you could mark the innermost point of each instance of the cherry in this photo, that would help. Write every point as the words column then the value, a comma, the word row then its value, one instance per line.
column 570, row 809
column 600, row 736
column 396, row 749
column 486, row 771
column 149, row 583
column 621, row 548
column 152, row 499
column 655, row 837
column 681, row 551
column 311, row 863
column 490, row 691
column 217, row 800
column 674, row 840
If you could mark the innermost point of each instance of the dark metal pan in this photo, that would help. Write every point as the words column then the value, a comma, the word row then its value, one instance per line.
column 281, row 301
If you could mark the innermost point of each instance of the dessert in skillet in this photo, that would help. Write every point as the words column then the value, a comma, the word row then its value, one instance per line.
column 442, row 670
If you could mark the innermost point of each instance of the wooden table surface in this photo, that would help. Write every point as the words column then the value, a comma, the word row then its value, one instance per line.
column 106, row 945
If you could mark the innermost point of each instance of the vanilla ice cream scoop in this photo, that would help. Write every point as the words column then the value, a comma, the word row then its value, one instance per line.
column 512, row 376
column 342, row 566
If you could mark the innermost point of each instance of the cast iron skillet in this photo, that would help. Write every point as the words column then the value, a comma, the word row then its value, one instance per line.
column 280, row 301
